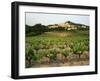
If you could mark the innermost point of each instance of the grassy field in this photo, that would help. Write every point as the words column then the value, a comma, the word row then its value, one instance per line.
column 70, row 48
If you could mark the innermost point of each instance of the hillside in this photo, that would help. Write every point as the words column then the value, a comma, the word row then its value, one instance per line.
column 68, row 25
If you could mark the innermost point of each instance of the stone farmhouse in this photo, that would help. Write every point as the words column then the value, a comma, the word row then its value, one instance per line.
column 68, row 25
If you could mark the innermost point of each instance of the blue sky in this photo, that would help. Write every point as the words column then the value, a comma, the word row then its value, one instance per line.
column 47, row 18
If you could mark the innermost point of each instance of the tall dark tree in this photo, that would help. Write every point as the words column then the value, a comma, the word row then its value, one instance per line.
column 36, row 29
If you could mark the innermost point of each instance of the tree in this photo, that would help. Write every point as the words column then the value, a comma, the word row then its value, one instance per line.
column 37, row 29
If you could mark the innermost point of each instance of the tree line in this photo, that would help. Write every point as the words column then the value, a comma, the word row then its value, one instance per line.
column 35, row 30
column 38, row 29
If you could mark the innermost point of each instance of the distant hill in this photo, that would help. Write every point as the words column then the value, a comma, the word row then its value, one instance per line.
column 69, row 25
column 38, row 29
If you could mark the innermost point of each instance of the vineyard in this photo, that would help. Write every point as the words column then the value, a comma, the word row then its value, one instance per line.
column 50, row 49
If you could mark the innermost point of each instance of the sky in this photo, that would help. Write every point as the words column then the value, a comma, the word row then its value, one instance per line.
column 48, row 18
